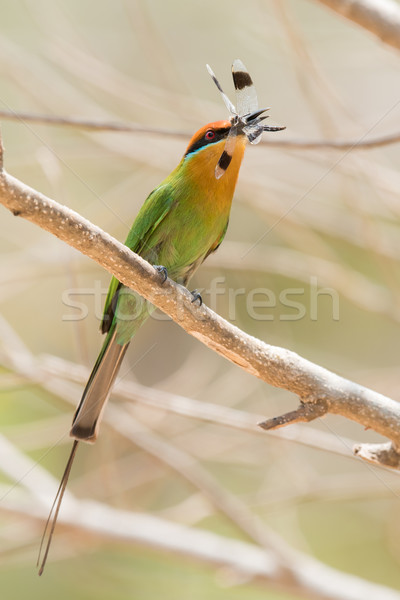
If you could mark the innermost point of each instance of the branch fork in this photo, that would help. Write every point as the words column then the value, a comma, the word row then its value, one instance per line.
column 306, row 412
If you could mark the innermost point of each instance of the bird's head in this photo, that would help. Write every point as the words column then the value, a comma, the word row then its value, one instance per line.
column 212, row 136
column 207, row 148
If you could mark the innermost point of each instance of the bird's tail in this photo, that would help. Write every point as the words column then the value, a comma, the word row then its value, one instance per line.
column 88, row 414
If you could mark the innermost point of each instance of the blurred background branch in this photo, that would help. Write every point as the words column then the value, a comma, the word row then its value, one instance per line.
column 244, row 562
column 355, row 144
column 380, row 17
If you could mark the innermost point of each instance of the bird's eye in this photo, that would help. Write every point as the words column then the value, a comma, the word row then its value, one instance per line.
column 210, row 134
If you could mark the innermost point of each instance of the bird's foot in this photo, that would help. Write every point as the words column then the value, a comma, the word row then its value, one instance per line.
column 196, row 297
column 162, row 271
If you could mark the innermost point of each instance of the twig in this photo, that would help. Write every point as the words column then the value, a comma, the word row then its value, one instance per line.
column 276, row 366
column 378, row 453
column 380, row 17
column 355, row 144
column 81, row 123
column 305, row 413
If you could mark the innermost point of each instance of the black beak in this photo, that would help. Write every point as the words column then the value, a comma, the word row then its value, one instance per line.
column 254, row 115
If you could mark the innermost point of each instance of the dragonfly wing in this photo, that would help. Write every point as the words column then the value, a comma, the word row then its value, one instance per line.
column 246, row 95
column 226, row 156
column 253, row 133
column 225, row 98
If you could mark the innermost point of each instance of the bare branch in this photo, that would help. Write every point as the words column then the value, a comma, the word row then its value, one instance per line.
column 355, row 144
column 305, row 576
column 380, row 17
column 225, row 416
column 378, row 453
column 277, row 366
column 48, row 370
column 246, row 562
column 305, row 412
column 88, row 124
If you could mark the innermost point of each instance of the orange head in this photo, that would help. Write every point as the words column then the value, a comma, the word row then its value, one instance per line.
column 208, row 148
column 210, row 134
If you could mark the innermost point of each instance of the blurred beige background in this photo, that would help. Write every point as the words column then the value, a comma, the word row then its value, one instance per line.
column 303, row 220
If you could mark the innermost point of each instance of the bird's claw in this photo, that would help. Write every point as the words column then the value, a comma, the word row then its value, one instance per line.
column 162, row 271
column 196, row 296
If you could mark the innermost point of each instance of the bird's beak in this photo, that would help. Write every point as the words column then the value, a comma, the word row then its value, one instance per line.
column 255, row 116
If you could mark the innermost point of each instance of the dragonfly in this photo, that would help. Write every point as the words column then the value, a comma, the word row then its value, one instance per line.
column 245, row 118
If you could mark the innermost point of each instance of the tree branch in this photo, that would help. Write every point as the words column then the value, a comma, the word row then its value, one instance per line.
column 321, row 390
column 81, row 123
column 355, row 144
column 380, row 17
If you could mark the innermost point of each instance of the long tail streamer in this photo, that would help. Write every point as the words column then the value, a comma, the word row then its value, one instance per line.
column 55, row 509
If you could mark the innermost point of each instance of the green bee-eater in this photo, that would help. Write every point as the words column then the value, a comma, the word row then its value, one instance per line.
column 180, row 224
column 182, row 221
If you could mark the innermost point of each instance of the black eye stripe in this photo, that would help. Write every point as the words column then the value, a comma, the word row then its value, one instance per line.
column 220, row 134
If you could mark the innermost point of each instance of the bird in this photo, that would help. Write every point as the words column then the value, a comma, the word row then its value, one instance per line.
column 180, row 224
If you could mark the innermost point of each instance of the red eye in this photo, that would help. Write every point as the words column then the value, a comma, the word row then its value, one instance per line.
column 210, row 134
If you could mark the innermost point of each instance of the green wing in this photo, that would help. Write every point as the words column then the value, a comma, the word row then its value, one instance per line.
column 217, row 242
column 154, row 210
